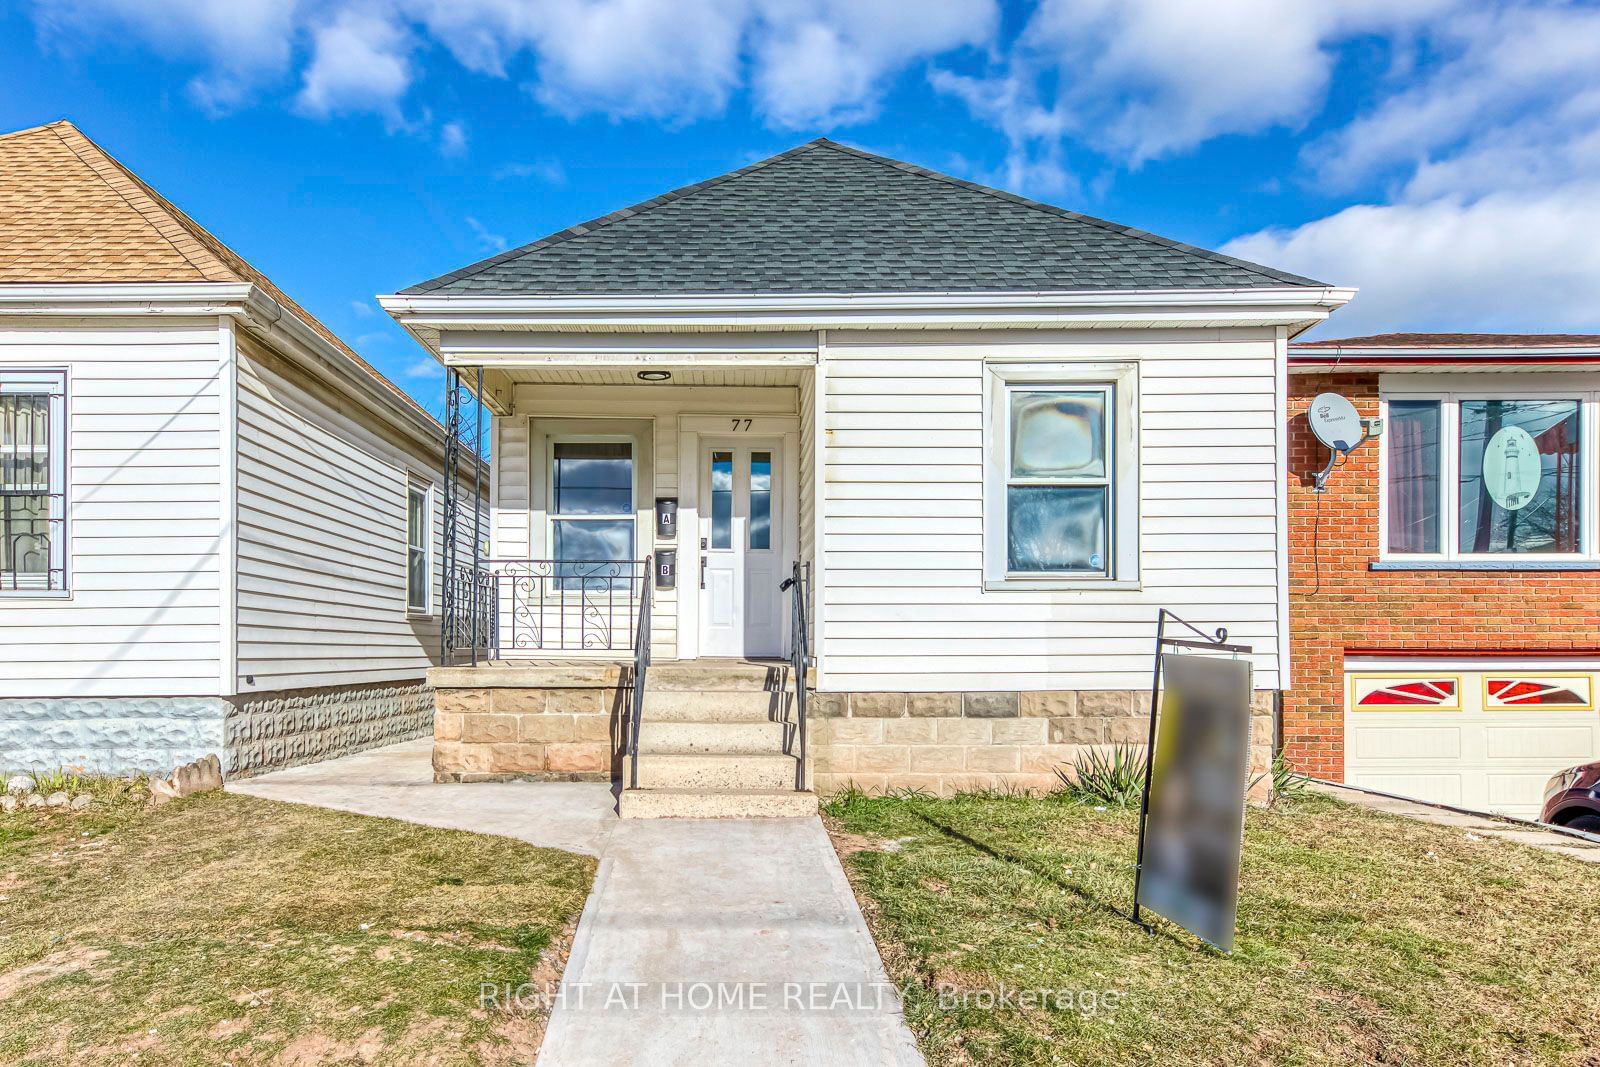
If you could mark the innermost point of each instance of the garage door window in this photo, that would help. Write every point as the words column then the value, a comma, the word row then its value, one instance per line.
column 1486, row 477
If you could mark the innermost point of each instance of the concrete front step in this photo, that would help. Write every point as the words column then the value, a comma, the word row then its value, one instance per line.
column 716, row 675
column 691, row 705
column 755, row 738
column 702, row 771
column 715, row 804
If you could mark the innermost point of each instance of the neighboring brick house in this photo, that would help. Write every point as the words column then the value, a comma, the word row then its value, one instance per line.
column 1444, row 645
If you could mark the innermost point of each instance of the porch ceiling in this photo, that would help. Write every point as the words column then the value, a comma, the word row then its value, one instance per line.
column 721, row 374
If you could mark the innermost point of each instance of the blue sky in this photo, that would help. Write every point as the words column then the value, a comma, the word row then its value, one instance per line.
column 1442, row 155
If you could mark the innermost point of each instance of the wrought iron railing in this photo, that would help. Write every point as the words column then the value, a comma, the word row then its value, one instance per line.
column 641, row 667
column 506, row 608
column 798, row 587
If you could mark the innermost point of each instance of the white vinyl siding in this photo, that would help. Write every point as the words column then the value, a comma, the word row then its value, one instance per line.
column 145, row 452
column 904, row 605
column 322, row 547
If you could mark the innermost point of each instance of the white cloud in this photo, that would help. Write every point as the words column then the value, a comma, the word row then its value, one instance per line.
column 362, row 309
column 359, row 62
column 494, row 242
column 828, row 62
column 1510, row 261
column 1137, row 80
column 423, row 368
column 245, row 43
column 549, row 171
column 453, row 139
column 1493, row 161
column 823, row 63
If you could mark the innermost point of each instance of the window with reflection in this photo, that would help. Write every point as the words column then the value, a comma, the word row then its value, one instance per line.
column 591, row 508
column 761, row 500
column 722, row 500
column 1489, row 476
column 1058, row 479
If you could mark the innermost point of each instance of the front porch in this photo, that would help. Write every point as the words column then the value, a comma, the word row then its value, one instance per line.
column 689, row 738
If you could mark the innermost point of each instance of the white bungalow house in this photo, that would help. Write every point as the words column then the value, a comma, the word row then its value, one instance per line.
column 995, row 436
column 218, row 525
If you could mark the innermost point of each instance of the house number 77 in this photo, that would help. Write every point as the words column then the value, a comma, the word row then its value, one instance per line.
column 741, row 424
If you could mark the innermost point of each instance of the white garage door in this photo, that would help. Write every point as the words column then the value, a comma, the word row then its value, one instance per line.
column 1480, row 734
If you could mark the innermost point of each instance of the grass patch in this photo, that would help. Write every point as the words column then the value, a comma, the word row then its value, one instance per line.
column 226, row 928
column 1361, row 937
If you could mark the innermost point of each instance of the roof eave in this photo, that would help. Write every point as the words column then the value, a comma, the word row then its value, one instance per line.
column 1359, row 357
column 1295, row 307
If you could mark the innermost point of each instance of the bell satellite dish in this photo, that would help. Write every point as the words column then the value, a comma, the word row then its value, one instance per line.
column 1335, row 421
column 1512, row 468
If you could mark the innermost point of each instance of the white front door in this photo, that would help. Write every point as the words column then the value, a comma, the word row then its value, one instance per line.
column 741, row 547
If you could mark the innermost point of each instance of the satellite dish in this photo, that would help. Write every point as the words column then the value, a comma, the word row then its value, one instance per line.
column 1512, row 468
column 1335, row 421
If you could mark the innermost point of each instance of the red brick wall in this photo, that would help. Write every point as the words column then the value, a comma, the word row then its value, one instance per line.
column 1355, row 608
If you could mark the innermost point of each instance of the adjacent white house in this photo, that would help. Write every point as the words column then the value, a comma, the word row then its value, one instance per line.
column 219, row 527
column 996, row 436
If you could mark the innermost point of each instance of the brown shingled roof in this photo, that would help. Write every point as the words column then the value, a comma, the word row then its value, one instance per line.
column 70, row 213
column 1460, row 340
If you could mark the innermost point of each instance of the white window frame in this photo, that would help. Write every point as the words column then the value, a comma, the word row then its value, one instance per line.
column 1450, row 470
column 1123, row 482
column 415, row 489
column 552, row 516
column 52, row 382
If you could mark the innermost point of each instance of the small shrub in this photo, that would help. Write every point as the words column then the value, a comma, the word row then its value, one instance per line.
column 60, row 780
column 1114, row 778
column 1288, row 785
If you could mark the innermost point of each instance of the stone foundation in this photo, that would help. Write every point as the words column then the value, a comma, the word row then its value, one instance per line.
column 109, row 735
column 539, row 723
column 949, row 742
column 270, row 731
column 252, row 734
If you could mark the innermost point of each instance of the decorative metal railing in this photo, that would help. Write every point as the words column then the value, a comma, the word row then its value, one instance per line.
column 506, row 608
column 641, row 667
column 798, row 585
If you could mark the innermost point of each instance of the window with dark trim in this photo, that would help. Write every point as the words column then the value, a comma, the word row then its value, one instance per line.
column 33, row 491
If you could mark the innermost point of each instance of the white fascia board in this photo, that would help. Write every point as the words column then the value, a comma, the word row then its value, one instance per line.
column 1326, row 358
column 124, row 298
column 1298, row 307
column 313, row 352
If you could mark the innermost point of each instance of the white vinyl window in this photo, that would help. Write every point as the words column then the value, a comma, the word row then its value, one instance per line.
column 1479, row 478
column 592, row 518
column 419, row 548
column 1061, row 497
column 33, row 482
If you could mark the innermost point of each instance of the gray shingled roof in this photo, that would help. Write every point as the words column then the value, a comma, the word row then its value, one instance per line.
column 826, row 218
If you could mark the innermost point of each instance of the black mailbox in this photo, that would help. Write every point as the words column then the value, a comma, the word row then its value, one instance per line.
column 667, row 518
column 667, row 569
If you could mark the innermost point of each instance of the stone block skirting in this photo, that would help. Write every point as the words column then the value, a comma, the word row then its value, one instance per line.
column 948, row 742
column 270, row 731
column 251, row 734
column 540, row 723
column 110, row 735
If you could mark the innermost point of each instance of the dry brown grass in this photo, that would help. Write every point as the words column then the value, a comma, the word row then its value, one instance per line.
column 230, row 929
column 1361, row 938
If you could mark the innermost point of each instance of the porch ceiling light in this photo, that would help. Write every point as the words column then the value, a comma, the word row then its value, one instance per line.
column 654, row 375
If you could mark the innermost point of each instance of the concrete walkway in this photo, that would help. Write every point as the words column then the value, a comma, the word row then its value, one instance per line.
column 703, row 942
column 1578, row 848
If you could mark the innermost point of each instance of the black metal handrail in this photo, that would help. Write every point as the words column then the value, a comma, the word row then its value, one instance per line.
column 798, row 586
column 641, row 667
column 512, row 607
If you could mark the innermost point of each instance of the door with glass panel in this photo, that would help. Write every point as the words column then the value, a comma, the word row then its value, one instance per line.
column 741, row 548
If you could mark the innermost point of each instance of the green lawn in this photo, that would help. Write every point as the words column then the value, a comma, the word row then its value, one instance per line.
column 224, row 928
column 1361, row 937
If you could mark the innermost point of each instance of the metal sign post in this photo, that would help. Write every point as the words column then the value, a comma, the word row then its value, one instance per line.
column 1202, row 642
